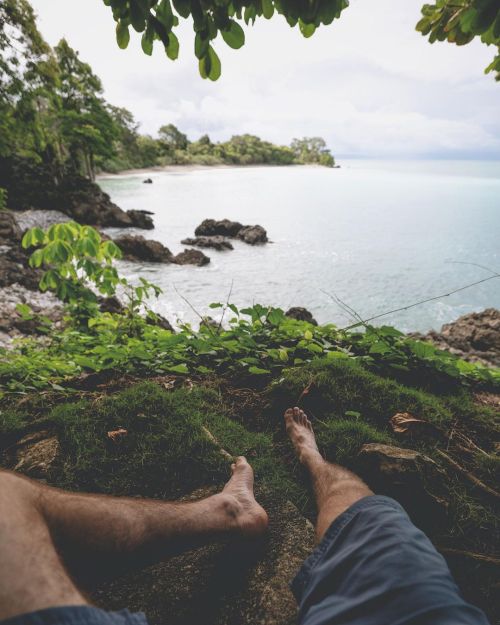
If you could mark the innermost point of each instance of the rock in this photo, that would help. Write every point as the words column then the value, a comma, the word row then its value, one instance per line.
column 36, row 454
column 110, row 305
column 14, row 268
column 12, row 324
column 159, row 320
column 40, row 218
column 301, row 314
column 229, row 584
column 224, row 227
column 33, row 185
column 253, row 235
column 147, row 181
column 408, row 476
column 209, row 323
column 191, row 257
column 10, row 232
column 217, row 242
column 135, row 247
column 141, row 219
column 474, row 337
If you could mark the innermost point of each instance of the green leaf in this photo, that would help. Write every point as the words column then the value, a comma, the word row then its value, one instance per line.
column 258, row 370
column 352, row 413
column 147, row 42
column 182, row 368
column 307, row 29
column 308, row 335
column 172, row 49
column 201, row 45
column 234, row 35
column 183, row 7
column 122, row 35
column 267, row 9
column 210, row 65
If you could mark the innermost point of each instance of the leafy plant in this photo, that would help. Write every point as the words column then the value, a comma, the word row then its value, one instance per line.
column 3, row 198
column 79, row 265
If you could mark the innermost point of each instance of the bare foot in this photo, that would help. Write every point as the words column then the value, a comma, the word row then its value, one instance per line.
column 248, row 517
column 300, row 431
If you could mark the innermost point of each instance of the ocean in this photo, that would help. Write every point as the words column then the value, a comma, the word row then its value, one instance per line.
column 372, row 236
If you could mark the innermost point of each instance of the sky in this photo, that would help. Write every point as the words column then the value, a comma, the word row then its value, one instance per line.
column 369, row 83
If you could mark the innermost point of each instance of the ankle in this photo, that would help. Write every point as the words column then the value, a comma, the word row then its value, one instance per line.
column 311, row 459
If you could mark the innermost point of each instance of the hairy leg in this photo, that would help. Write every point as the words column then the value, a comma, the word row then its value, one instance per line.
column 49, row 530
column 335, row 488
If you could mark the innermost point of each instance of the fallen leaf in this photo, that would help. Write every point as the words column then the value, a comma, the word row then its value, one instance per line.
column 402, row 422
column 117, row 435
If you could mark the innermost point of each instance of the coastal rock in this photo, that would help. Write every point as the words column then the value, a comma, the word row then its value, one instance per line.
column 33, row 186
column 224, row 227
column 135, row 247
column 474, row 337
column 10, row 232
column 253, row 235
column 147, row 181
column 301, row 314
column 408, row 476
column 13, row 325
column 216, row 242
column 233, row 229
column 160, row 321
column 226, row 584
column 141, row 219
column 191, row 257
column 14, row 268
column 40, row 219
column 110, row 305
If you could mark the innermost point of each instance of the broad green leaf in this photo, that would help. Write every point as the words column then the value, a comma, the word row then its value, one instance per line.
column 122, row 35
column 172, row 48
column 257, row 370
column 234, row 35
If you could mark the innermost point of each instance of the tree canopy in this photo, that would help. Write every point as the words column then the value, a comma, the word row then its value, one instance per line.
column 457, row 21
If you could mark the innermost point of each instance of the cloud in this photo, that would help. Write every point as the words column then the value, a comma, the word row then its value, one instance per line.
column 369, row 84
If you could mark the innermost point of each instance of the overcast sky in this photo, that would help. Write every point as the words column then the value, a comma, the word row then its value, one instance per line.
column 369, row 83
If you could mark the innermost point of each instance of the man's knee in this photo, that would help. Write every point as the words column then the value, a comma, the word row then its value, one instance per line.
column 19, row 497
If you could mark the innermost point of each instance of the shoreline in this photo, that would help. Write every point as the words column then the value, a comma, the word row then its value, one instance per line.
column 194, row 167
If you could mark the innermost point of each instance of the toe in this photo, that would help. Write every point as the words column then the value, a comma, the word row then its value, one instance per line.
column 303, row 417
column 296, row 414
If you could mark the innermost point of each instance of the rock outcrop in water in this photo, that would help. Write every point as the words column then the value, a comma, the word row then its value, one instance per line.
column 301, row 314
column 191, row 257
column 474, row 337
column 135, row 247
column 216, row 242
column 232, row 229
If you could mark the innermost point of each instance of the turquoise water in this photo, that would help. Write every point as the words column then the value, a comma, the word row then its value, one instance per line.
column 379, row 235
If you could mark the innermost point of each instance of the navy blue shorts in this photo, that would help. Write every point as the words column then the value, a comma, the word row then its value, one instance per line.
column 374, row 567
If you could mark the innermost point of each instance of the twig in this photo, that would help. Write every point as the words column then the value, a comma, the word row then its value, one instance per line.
column 424, row 301
column 471, row 478
column 481, row 557
column 226, row 306
column 212, row 438
column 193, row 308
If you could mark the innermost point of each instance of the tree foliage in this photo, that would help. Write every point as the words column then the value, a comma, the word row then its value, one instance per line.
column 461, row 21
column 158, row 19
column 458, row 21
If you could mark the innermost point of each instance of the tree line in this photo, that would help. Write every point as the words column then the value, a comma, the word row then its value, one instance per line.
column 53, row 114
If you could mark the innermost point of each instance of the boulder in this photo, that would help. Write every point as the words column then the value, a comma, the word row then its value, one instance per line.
column 191, row 257
column 410, row 477
column 110, row 305
column 136, row 247
column 10, row 232
column 216, row 242
column 14, row 268
column 147, row 181
column 253, row 235
column 474, row 337
column 155, row 319
column 141, row 219
column 222, row 584
column 224, row 227
column 301, row 314
column 40, row 218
